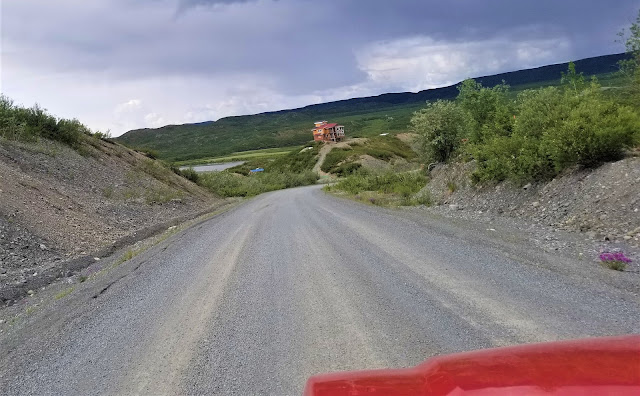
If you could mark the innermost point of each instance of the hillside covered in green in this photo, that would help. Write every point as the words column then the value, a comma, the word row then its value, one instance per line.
column 388, row 113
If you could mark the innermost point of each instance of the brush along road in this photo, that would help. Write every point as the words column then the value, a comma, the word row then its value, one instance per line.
column 298, row 282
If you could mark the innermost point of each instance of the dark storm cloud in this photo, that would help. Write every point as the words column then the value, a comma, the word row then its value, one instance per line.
column 241, row 54
column 285, row 38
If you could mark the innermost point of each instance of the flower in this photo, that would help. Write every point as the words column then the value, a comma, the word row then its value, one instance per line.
column 615, row 256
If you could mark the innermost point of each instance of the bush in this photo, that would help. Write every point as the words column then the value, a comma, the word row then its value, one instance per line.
column 334, row 157
column 297, row 161
column 595, row 131
column 490, row 110
column 347, row 169
column 69, row 132
column 29, row 124
column 557, row 128
column 228, row 184
column 188, row 173
column 441, row 126
column 401, row 184
column 615, row 261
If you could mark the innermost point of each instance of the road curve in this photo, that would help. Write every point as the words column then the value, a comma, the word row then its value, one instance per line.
column 297, row 282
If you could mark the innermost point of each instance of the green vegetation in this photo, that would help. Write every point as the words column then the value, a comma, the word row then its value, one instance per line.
column 534, row 137
column 341, row 161
column 23, row 124
column 362, row 117
column 64, row 293
column 283, row 171
column 128, row 255
column 242, row 156
column 188, row 173
column 630, row 68
column 227, row 184
column 384, row 188
column 441, row 127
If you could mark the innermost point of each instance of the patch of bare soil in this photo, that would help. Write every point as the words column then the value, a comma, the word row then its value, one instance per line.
column 327, row 147
column 60, row 208
column 370, row 162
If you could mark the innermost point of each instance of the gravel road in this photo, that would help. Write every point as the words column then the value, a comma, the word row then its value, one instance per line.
column 297, row 282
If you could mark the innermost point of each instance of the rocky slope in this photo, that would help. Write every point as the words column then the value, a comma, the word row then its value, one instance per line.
column 61, row 208
column 601, row 204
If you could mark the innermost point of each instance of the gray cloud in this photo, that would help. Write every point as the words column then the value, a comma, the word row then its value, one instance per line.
column 256, row 55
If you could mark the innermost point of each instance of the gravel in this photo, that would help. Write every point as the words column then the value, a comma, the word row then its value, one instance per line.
column 59, row 208
column 297, row 282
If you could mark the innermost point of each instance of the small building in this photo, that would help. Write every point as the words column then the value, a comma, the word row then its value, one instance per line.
column 325, row 132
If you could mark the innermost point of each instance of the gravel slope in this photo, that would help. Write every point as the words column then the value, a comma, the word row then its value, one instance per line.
column 297, row 282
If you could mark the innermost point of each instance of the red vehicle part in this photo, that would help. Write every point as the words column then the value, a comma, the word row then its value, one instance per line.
column 597, row 366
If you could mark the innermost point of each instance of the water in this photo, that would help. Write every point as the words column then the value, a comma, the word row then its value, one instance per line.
column 214, row 167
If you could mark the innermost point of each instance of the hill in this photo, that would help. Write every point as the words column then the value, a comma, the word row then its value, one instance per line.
column 63, row 204
column 361, row 116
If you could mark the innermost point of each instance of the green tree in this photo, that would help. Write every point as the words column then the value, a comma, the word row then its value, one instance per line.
column 594, row 131
column 490, row 109
column 629, row 67
column 573, row 80
column 441, row 126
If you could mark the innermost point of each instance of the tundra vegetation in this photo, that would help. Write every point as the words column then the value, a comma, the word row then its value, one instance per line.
column 529, row 135
column 283, row 171
column 540, row 132
column 29, row 124
column 533, row 137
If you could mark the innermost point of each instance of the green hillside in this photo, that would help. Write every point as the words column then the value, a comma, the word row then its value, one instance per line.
column 360, row 116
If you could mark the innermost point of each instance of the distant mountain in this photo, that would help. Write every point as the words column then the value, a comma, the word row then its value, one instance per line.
column 388, row 112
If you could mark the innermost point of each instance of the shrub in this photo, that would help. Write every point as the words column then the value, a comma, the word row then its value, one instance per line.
column 441, row 126
column 334, row 157
column 188, row 173
column 69, row 132
column 516, row 158
column 297, row 161
column 557, row 128
column 539, row 110
column 595, row 131
column 228, row 184
column 615, row 261
column 489, row 108
column 347, row 169
column 401, row 184
column 28, row 124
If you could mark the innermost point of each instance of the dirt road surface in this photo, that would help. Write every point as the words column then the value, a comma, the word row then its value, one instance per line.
column 297, row 282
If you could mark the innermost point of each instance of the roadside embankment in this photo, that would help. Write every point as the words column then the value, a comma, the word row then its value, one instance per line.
column 61, row 208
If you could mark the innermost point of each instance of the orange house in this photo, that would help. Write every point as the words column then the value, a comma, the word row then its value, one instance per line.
column 326, row 132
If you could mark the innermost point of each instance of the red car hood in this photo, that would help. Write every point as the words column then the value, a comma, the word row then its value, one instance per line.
column 597, row 366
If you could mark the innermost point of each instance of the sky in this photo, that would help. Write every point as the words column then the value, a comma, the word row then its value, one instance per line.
column 118, row 65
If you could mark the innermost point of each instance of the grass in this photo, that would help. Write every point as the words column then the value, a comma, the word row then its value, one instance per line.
column 362, row 117
column 229, row 184
column 161, row 195
column 29, row 125
column 284, row 171
column 128, row 255
column 64, row 293
column 615, row 265
column 384, row 188
column 340, row 160
column 242, row 156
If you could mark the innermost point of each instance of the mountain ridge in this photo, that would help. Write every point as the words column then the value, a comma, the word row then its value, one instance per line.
column 288, row 127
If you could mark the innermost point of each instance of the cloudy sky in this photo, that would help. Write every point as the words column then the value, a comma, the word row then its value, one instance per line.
column 123, row 64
